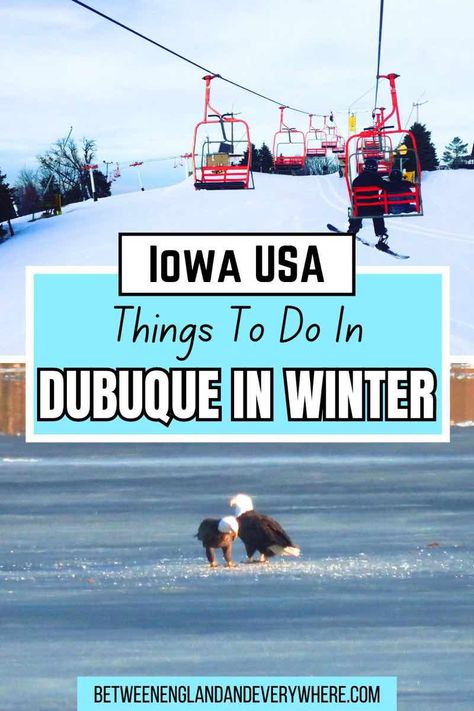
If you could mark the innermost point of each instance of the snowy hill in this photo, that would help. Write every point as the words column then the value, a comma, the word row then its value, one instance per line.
column 86, row 234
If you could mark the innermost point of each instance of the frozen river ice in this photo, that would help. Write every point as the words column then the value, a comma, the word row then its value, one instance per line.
column 100, row 573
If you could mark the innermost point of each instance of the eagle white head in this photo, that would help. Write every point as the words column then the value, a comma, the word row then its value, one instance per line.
column 228, row 524
column 242, row 503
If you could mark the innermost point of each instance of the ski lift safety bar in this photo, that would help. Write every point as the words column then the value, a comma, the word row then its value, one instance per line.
column 242, row 264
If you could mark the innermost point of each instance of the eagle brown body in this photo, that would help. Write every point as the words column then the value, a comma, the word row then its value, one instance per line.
column 263, row 534
column 211, row 538
column 260, row 532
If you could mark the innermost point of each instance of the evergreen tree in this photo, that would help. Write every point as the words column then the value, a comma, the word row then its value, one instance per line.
column 266, row 159
column 102, row 185
column 7, row 209
column 254, row 161
column 76, row 192
column 455, row 153
column 426, row 148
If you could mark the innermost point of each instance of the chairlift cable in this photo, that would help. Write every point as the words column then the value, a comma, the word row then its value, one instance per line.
column 379, row 50
column 409, row 116
column 356, row 101
column 190, row 61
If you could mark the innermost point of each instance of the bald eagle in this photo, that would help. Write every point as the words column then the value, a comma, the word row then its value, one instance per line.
column 259, row 532
column 218, row 533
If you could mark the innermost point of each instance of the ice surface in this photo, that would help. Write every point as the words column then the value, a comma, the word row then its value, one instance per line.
column 86, row 234
column 100, row 572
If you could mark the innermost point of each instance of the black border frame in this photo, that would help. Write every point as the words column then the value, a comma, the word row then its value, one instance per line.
column 237, row 234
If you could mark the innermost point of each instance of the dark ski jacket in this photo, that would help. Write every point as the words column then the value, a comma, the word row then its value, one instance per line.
column 395, row 187
column 398, row 186
column 369, row 179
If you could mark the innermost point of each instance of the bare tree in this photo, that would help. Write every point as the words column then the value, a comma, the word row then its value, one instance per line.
column 27, row 176
column 64, row 164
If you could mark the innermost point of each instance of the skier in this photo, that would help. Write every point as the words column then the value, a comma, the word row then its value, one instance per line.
column 397, row 185
column 370, row 178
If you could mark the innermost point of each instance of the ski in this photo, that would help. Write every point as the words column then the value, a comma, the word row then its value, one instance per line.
column 382, row 248
column 385, row 248
column 332, row 228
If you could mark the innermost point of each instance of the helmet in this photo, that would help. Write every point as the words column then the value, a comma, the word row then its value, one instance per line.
column 371, row 164
column 396, row 174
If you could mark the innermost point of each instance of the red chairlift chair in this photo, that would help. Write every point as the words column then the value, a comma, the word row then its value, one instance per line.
column 340, row 152
column 378, row 142
column 331, row 137
column 315, row 139
column 219, row 145
column 340, row 146
column 289, row 148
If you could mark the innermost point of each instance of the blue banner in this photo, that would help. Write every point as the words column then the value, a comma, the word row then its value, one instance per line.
column 176, row 693
column 254, row 367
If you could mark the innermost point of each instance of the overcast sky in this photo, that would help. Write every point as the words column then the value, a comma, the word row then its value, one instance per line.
column 63, row 66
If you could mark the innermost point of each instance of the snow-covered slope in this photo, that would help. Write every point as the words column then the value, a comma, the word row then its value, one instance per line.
column 86, row 234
